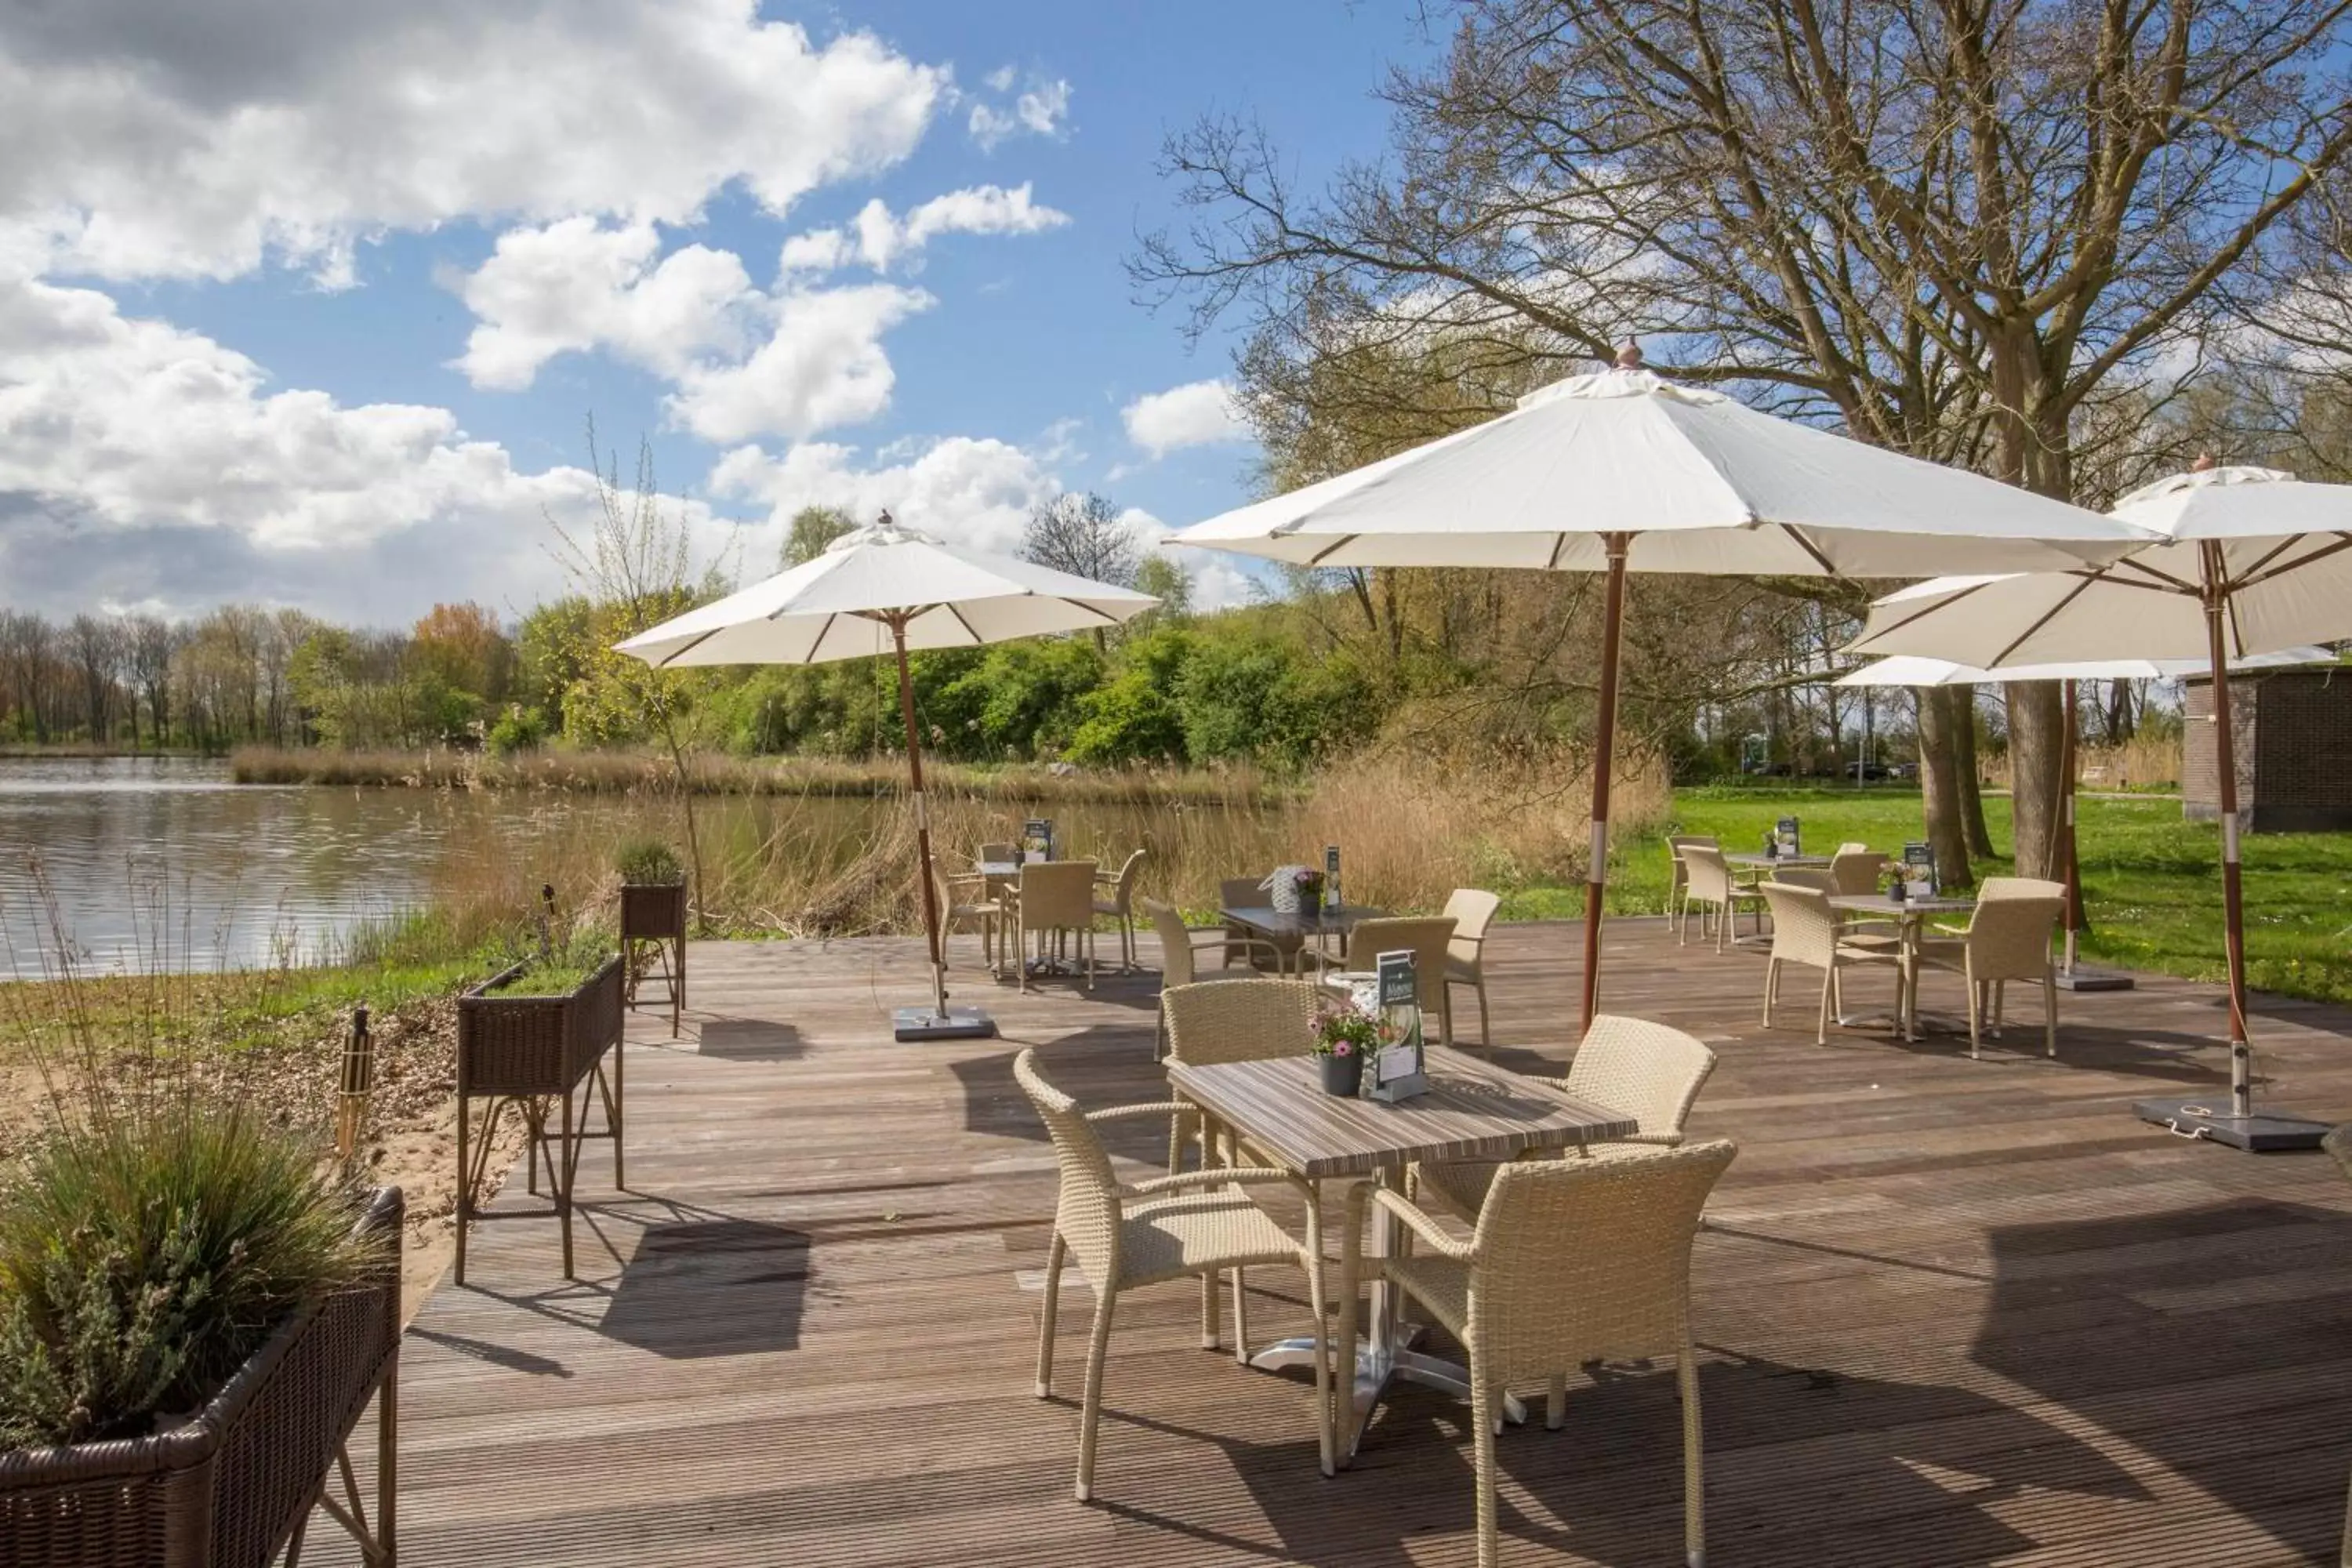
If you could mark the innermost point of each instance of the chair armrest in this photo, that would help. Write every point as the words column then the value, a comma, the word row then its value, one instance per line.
column 1247, row 1175
column 1416, row 1221
column 1950, row 929
column 1218, row 936
column 1154, row 1108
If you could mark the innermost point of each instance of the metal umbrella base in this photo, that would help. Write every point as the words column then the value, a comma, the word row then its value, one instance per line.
column 2086, row 979
column 1378, row 1369
column 2257, row 1133
column 936, row 1024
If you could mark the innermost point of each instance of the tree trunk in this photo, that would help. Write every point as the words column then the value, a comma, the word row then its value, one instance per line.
column 2037, row 729
column 1963, row 702
column 1939, row 788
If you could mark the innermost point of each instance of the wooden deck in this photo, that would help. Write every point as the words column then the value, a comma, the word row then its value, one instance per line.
column 1955, row 1313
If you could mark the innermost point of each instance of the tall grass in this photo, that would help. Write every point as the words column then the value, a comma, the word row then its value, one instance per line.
column 2144, row 762
column 626, row 771
column 1410, row 829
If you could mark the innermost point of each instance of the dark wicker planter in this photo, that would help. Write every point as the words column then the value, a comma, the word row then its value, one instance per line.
column 653, row 931
column 537, row 1054
column 232, row 1486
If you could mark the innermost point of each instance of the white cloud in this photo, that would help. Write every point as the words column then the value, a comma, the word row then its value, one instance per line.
column 1197, row 413
column 822, row 367
column 577, row 285
column 198, row 138
column 1039, row 111
column 1001, row 79
column 973, row 491
column 879, row 239
column 142, row 462
column 1219, row 580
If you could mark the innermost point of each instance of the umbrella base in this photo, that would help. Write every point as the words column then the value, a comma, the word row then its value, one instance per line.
column 2084, row 979
column 930, row 1024
column 2264, row 1132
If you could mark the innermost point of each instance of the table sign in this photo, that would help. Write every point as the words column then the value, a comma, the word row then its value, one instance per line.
column 1396, row 1072
column 1331, row 876
column 1037, row 838
column 1920, row 870
column 1791, row 839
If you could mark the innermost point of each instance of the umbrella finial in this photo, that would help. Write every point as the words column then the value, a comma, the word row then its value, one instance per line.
column 1629, row 355
column 2204, row 464
column 885, row 521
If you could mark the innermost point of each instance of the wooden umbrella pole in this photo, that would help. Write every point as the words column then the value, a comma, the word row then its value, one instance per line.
column 2067, row 771
column 2225, row 759
column 1596, row 875
column 922, row 818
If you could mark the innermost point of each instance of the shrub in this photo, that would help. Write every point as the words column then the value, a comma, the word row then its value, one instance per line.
column 649, row 862
column 147, row 1255
column 522, row 730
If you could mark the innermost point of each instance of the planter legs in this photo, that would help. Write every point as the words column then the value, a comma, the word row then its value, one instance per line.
column 552, row 1150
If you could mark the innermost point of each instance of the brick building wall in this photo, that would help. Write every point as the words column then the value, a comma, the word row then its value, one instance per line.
column 2293, row 733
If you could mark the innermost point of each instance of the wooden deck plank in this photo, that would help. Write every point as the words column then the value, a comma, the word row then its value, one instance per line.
column 1953, row 1312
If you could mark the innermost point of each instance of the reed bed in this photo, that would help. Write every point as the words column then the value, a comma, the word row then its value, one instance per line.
column 2150, row 762
column 1410, row 830
column 633, row 772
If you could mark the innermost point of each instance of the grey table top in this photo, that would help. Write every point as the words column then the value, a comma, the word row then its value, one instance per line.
column 1754, row 857
column 1474, row 1111
column 1880, row 904
column 1314, row 922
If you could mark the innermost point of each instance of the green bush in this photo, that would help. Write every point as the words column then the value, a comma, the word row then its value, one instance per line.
column 649, row 862
column 145, row 1256
column 522, row 730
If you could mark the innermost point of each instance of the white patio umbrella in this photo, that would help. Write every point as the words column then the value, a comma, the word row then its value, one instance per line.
column 880, row 589
column 1912, row 669
column 2250, row 561
column 1623, row 471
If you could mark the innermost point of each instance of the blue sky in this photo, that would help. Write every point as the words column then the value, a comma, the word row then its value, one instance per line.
column 310, row 308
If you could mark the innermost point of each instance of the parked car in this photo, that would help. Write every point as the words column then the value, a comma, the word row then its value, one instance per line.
column 1868, row 773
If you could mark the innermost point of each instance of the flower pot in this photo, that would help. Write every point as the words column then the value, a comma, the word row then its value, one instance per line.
column 1343, row 1076
column 226, row 1488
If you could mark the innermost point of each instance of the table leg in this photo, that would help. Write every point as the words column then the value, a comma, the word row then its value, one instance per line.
column 1385, row 1356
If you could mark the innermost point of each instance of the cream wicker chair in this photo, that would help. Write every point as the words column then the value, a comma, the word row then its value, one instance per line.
column 1472, row 912
column 1711, row 887
column 1234, row 1020
column 1430, row 938
column 1056, row 896
column 1678, row 874
column 1165, row 1229
column 962, row 901
column 1854, row 870
column 1241, row 942
column 1806, row 931
column 1180, row 952
column 2006, row 938
column 1572, row 1261
column 1652, row 1072
column 1120, row 905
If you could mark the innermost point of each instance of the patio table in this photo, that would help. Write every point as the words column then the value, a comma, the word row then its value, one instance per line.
column 1474, row 1111
column 1289, row 930
column 1910, row 916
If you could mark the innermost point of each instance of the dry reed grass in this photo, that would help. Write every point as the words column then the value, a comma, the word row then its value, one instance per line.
column 1410, row 830
column 2142, row 763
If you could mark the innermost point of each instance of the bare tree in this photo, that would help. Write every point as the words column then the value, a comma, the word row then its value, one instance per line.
column 1951, row 226
column 154, row 641
column 1084, row 536
column 91, row 641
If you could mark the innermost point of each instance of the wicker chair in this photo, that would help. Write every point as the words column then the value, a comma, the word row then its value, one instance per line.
column 2006, row 938
column 1806, row 931
column 1652, row 1072
column 1180, row 954
column 1678, row 874
column 1244, row 945
column 1711, row 887
column 962, row 901
column 1854, row 870
column 1120, row 905
column 1431, row 941
column 1472, row 912
column 1169, row 1227
column 1572, row 1261
column 1056, row 896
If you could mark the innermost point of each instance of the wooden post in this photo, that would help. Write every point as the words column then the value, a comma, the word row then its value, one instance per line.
column 2225, row 757
column 358, row 1081
column 1596, row 875
column 2073, row 865
column 922, row 819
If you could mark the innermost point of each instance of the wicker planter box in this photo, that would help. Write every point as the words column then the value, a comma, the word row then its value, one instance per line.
column 652, row 932
column 537, row 1054
column 233, row 1485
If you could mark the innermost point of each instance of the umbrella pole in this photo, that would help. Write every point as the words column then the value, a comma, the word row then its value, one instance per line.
column 1596, row 874
column 922, row 817
column 2067, row 771
column 2225, row 760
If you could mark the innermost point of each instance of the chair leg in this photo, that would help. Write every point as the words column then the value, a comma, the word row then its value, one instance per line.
column 1054, row 1256
column 2050, row 1012
column 1822, row 1027
column 1482, row 1405
column 1556, row 1402
column 1313, row 1262
column 1485, row 1034
column 1694, row 1463
column 1021, row 954
column 1772, row 984
column 1241, row 1316
column 1976, row 1018
column 1090, row 1418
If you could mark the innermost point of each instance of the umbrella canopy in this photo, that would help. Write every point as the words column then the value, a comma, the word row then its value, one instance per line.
column 1624, row 471
column 1705, row 484
column 878, row 580
column 2248, row 560
column 1912, row 669
column 886, row 589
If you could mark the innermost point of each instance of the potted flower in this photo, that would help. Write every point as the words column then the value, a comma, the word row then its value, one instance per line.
column 1344, row 1036
column 1308, row 883
column 534, row 1036
column 193, row 1315
column 653, row 919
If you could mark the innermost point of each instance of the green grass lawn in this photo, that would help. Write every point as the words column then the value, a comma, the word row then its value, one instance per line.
column 2151, row 882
